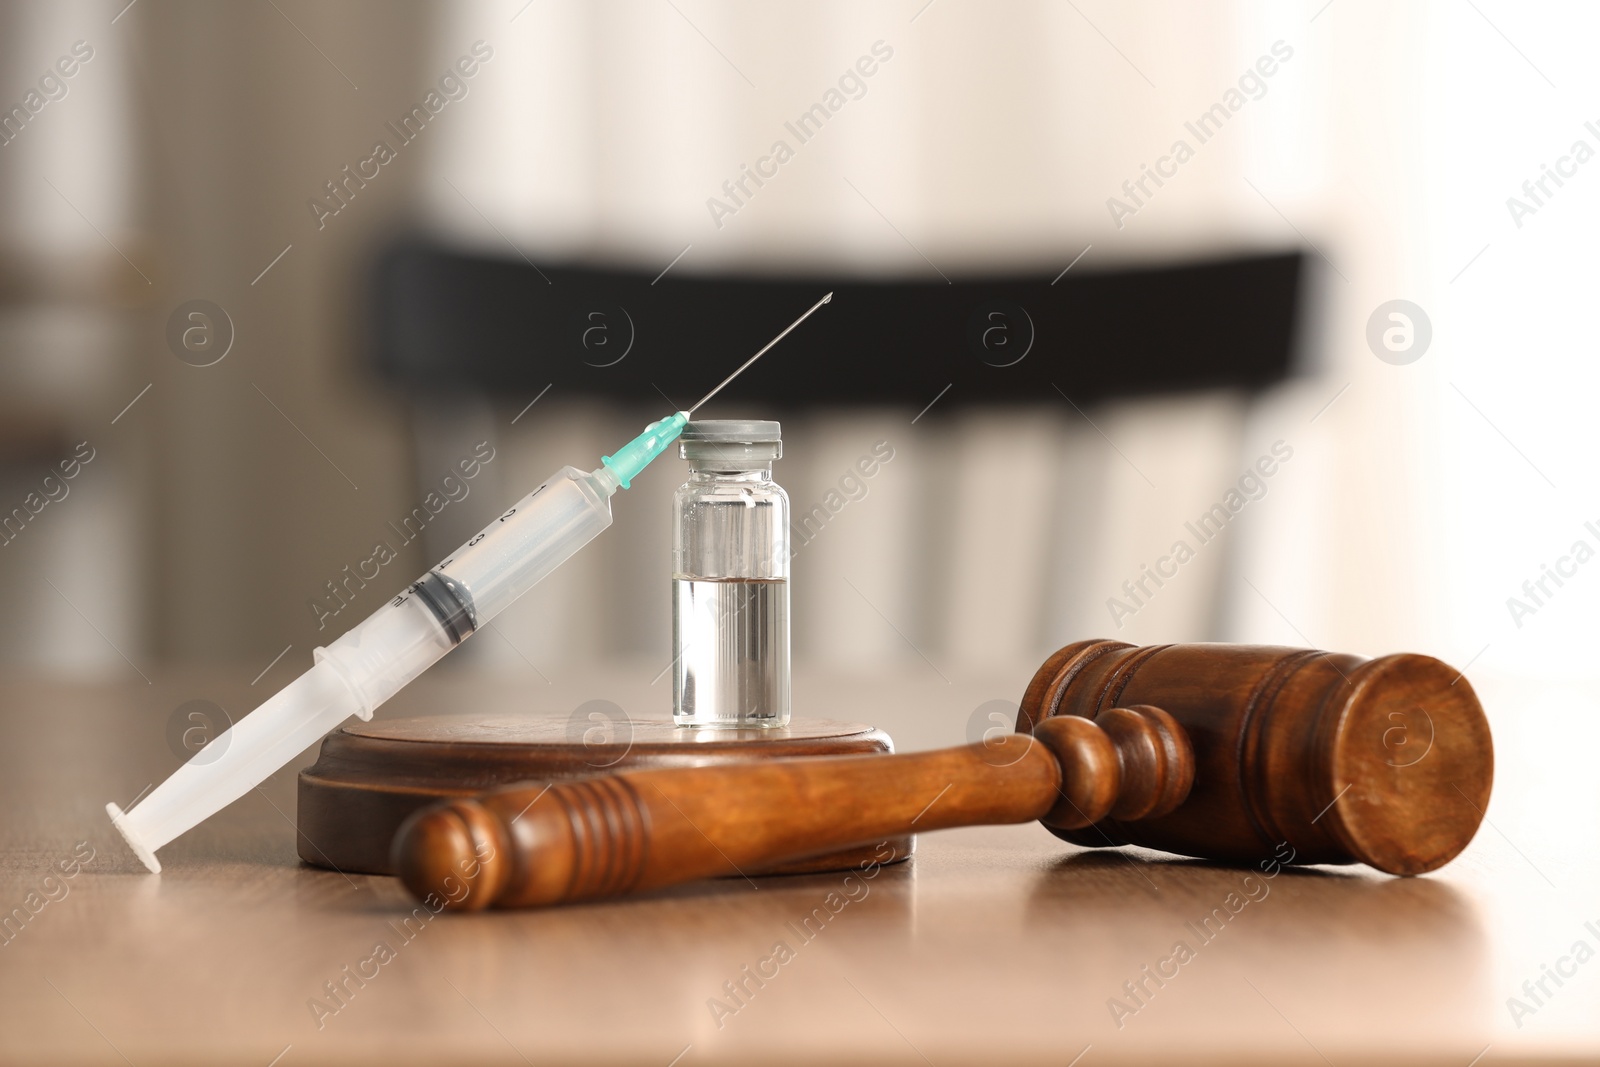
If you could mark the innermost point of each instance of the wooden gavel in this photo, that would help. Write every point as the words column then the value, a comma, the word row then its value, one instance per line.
column 1215, row 751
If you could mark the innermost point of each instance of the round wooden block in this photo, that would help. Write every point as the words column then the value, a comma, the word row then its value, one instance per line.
column 370, row 776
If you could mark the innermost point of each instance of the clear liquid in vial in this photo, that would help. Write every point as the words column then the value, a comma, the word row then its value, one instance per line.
column 731, row 639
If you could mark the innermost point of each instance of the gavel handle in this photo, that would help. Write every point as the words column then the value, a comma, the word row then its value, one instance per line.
column 605, row 836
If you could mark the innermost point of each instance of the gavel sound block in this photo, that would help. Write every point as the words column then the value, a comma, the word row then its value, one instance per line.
column 370, row 776
column 1215, row 751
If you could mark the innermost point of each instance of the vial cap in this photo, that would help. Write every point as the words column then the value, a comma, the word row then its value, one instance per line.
column 733, row 440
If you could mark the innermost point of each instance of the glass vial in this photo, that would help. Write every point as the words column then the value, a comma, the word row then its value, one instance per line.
column 730, row 578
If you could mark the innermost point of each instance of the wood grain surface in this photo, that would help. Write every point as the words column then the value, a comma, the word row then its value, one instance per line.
column 993, row 944
column 369, row 776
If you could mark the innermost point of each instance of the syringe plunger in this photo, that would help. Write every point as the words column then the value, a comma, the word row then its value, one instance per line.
column 387, row 650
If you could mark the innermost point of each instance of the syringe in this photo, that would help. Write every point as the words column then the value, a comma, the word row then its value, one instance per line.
column 380, row 656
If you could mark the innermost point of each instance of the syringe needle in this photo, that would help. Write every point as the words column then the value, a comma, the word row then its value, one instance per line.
column 759, row 354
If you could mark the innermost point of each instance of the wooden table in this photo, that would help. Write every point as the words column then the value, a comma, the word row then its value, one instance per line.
column 991, row 944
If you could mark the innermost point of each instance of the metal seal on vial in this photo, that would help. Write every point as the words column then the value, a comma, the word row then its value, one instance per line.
column 736, row 441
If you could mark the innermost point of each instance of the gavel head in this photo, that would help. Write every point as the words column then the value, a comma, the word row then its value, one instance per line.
column 1387, row 761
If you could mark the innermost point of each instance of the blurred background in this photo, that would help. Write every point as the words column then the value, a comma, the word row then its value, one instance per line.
column 226, row 469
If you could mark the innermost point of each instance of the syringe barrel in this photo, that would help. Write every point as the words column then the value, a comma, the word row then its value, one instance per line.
column 535, row 536
column 438, row 611
column 378, row 657
column 390, row 647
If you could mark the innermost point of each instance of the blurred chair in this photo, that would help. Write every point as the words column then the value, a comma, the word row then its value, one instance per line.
column 1043, row 433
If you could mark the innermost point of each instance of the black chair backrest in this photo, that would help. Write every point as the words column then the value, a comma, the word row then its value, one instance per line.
column 448, row 319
